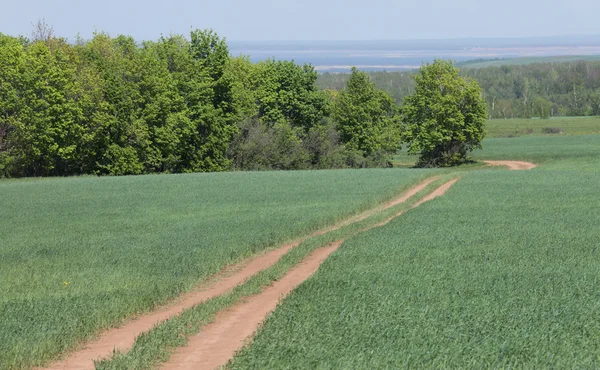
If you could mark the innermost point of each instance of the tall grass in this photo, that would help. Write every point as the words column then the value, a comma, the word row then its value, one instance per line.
column 81, row 254
column 501, row 272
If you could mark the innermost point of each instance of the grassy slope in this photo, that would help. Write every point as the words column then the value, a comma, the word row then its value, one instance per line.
column 80, row 254
column 503, row 271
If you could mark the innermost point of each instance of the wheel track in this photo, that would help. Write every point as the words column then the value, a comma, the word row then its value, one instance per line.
column 218, row 342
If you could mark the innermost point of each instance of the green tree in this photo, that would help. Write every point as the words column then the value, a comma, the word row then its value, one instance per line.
column 210, row 99
column 287, row 92
column 367, row 118
column 595, row 102
column 445, row 116
column 48, row 125
column 577, row 101
column 12, row 61
column 542, row 108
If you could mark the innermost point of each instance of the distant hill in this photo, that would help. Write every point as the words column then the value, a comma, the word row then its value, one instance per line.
column 496, row 62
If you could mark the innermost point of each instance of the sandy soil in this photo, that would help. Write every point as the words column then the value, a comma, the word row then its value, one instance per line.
column 123, row 338
column 434, row 194
column 513, row 165
column 217, row 343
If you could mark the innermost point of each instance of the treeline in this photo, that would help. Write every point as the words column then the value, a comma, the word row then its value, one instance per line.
column 513, row 91
column 114, row 106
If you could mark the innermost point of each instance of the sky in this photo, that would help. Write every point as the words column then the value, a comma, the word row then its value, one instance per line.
column 307, row 19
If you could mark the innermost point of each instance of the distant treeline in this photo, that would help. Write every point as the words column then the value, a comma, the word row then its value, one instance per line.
column 179, row 104
column 512, row 91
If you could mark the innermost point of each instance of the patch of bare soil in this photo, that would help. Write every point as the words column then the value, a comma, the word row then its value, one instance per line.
column 513, row 165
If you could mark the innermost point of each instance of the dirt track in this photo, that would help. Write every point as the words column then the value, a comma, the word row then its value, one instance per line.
column 217, row 343
column 513, row 165
column 123, row 338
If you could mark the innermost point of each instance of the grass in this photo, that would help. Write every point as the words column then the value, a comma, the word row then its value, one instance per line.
column 79, row 255
column 501, row 272
column 581, row 152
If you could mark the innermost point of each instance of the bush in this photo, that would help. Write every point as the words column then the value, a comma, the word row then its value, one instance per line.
column 260, row 146
column 265, row 147
column 322, row 144
column 552, row 130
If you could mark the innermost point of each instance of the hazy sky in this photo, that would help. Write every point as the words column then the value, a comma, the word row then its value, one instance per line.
column 308, row 19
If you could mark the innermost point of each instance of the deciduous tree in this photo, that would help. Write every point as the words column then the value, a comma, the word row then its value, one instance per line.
column 445, row 116
column 367, row 118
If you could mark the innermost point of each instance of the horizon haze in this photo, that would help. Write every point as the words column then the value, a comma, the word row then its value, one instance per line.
column 264, row 20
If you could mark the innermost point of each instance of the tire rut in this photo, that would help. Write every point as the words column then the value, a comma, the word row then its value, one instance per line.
column 218, row 342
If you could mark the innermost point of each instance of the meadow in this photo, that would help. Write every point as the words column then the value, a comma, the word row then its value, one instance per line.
column 79, row 255
column 501, row 272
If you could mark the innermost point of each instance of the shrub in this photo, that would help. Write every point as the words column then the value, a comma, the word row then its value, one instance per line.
column 552, row 130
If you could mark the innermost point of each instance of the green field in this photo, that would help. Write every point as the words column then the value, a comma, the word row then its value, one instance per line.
column 577, row 152
column 82, row 254
column 515, row 127
column 501, row 272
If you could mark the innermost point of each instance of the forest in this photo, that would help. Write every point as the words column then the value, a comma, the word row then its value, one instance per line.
column 113, row 106
column 511, row 91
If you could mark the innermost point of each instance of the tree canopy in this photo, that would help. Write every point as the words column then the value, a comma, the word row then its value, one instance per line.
column 367, row 118
column 544, row 90
column 113, row 106
column 445, row 116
